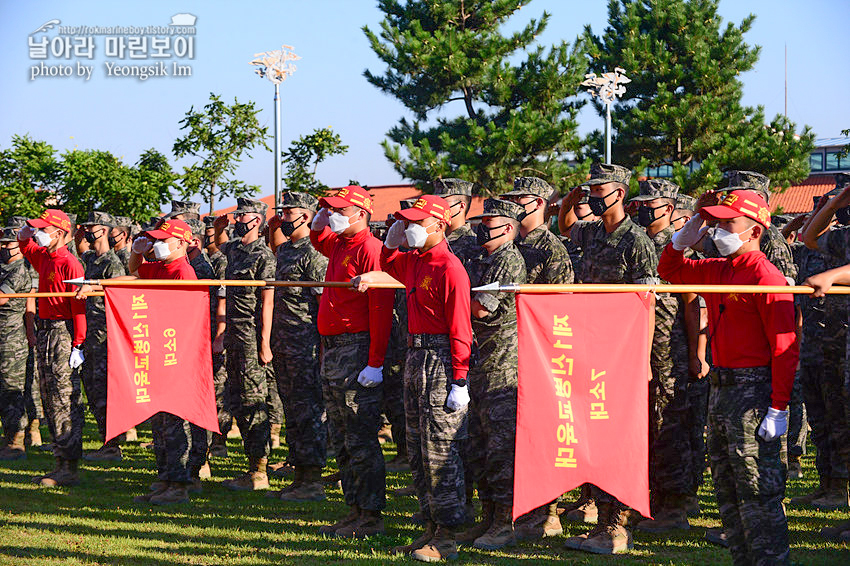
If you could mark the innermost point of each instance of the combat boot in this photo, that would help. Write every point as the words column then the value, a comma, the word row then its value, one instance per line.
column 583, row 509
column 218, row 446
column 835, row 496
column 299, row 478
column 176, row 492
column 441, row 547
column 369, row 524
column 501, row 531
column 716, row 536
column 66, row 476
column 131, row 435
column 399, row 463
column 14, row 449
column 109, row 452
column 810, row 497
column 205, row 472
column 609, row 536
column 275, row 436
column 543, row 523
column 56, row 467
column 255, row 479
column 671, row 515
column 795, row 470
column 234, row 431
column 352, row 517
column 309, row 488
column 34, row 433
column 836, row 533
column 423, row 539
column 156, row 488
column 469, row 536
column 281, row 470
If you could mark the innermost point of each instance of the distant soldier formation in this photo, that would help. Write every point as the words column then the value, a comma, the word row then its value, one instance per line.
column 736, row 380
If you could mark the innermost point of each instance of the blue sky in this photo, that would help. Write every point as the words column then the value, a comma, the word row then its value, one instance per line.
column 125, row 115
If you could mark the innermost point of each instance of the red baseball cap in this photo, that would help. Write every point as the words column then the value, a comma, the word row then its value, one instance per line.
column 352, row 194
column 171, row 228
column 52, row 217
column 425, row 206
column 740, row 202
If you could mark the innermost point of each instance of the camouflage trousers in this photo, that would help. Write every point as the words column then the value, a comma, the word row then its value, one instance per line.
column 355, row 413
column 394, row 408
column 491, row 447
column 93, row 374
column 299, row 385
column 200, row 437
column 251, row 381
column 748, row 473
column 697, row 418
column 273, row 401
column 13, row 382
column 435, row 435
column 172, row 444
column 222, row 393
column 35, row 409
column 797, row 430
column 822, row 387
column 669, row 473
column 60, row 388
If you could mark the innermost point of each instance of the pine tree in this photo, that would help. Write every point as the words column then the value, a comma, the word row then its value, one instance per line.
column 683, row 107
column 517, row 118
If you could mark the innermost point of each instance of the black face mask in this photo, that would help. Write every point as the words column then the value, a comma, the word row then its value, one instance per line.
column 289, row 227
column 112, row 241
column 91, row 237
column 6, row 254
column 454, row 205
column 484, row 234
column 241, row 228
column 646, row 215
column 597, row 204
column 207, row 241
column 843, row 215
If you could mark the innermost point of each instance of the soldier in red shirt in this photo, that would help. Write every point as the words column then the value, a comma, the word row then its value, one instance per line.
column 355, row 330
column 61, row 332
column 754, row 350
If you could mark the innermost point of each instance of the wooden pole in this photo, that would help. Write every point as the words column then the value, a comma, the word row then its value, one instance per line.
column 35, row 295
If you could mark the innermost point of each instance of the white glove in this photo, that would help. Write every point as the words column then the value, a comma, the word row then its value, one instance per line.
column 26, row 233
column 142, row 245
column 395, row 235
column 690, row 234
column 774, row 424
column 458, row 398
column 320, row 220
column 371, row 377
column 77, row 358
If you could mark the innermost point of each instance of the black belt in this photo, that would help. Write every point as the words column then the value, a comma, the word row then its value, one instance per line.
column 427, row 340
column 344, row 338
column 722, row 377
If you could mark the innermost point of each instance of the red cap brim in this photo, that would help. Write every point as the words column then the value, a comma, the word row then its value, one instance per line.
column 159, row 234
column 412, row 214
column 721, row 212
column 334, row 202
column 38, row 223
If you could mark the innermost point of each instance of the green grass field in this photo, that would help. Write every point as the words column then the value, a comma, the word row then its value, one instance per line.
column 98, row 523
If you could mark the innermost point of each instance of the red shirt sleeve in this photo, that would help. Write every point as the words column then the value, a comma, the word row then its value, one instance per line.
column 457, row 299
column 777, row 314
column 323, row 241
column 32, row 252
column 395, row 263
column 74, row 270
column 674, row 267
column 381, row 302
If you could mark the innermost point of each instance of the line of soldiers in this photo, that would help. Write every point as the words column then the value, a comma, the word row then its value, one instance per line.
column 319, row 360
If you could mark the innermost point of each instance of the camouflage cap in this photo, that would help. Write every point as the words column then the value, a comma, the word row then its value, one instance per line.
column 294, row 199
column 499, row 207
column 72, row 218
column 534, row 186
column 209, row 220
column 188, row 208
column 197, row 227
column 123, row 221
column 246, row 205
column 657, row 188
column 685, row 202
column 841, row 180
column 449, row 187
column 17, row 221
column 601, row 173
column 8, row 234
column 151, row 224
column 750, row 180
column 407, row 203
column 98, row 217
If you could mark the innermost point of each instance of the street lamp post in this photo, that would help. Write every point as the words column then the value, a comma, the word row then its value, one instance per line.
column 276, row 66
column 607, row 87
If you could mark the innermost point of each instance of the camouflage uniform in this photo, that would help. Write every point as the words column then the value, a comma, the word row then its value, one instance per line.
column 226, row 399
column 93, row 370
column 253, row 261
column 295, row 344
column 14, row 278
column 462, row 239
column 394, row 373
column 670, row 474
column 822, row 360
column 124, row 253
column 189, row 210
column 493, row 379
column 626, row 255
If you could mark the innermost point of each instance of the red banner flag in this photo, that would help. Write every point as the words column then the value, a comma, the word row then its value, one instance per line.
column 582, row 408
column 160, row 356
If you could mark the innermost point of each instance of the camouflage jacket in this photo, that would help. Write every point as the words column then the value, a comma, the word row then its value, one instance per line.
column 774, row 246
column 463, row 244
column 546, row 258
column 14, row 278
column 626, row 255
column 203, row 270
column 667, row 305
column 247, row 262
column 124, row 255
column 104, row 266
column 297, row 308
column 218, row 261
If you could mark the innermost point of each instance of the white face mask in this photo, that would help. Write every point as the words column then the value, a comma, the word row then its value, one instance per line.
column 161, row 250
column 42, row 238
column 416, row 236
column 727, row 242
column 338, row 222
